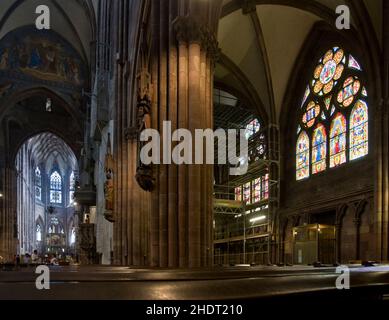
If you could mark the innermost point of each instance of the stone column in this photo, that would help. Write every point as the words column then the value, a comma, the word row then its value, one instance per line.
column 182, row 78
column 132, row 206
column 381, row 218
column 8, row 235
column 385, row 151
column 169, row 225
column 357, row 223
column 338, row 235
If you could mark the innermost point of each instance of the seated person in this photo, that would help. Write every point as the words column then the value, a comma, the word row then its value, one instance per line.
column 54, row 261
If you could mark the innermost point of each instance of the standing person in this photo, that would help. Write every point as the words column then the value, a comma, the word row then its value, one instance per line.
column 26, row 259
column 35, row 257
column 17, row 262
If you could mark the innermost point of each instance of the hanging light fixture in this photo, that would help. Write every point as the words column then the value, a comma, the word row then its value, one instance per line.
column 48, row 105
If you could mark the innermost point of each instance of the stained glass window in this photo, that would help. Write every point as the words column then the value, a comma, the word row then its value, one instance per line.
column 38, row 177
column 312, row 112
column 336, row 93
column 256, row 185
column 327, row 102
column 306, row 95
column 359, row 129
column 55, row 188
column 238, row 193
column 38, row 233
column 319, row 149
column 350, row 88
column 72, row 184
column 255, row 191
column 328, row 71
column 265, row 187
column 252, row 128
column 54, row 226
column 73, row 236
column 353, row 63
column 302, row 156
column 38, row 184
column 338, row 141
column 247, row 193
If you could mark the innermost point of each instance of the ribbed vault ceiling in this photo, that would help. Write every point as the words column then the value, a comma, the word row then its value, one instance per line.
column 69, row 18
column 264, row 46
column 48, row 149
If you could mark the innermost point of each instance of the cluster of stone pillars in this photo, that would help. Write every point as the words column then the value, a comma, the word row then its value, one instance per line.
column 171, row 226
column 381, row 219
column 8, row 219
column 25, row 201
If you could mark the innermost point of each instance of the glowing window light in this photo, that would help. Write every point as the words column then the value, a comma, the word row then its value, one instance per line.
column 257, row 219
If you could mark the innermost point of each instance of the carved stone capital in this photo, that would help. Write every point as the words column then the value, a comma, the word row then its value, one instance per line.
column 189, row 30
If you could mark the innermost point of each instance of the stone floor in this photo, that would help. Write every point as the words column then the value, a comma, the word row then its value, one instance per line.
column 100, row 282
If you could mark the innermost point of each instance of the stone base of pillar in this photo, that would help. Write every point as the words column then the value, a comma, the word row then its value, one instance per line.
column 87, row 248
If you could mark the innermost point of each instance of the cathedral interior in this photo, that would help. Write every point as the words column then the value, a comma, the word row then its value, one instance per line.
column 81, row 80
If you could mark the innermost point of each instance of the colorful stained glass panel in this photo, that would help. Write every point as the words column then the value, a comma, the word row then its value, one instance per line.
column 327, row 102
column 350, row 88
column 328, row 72
column 319, row 149
column 302, row 156
column 359, row 131
column 247, row 193
column 265, row 187
column 306, row 94
column 256, row 185
column 339, row 72
column 309, row 117
column 353, row 64
column 338, row 141
column 238, row 193
column 252, row 128
column 338, row 55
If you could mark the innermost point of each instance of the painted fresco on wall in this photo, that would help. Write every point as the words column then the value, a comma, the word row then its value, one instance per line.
column 43, row 55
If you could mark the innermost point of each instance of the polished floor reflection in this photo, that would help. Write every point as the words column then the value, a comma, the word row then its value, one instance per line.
column 97, row 282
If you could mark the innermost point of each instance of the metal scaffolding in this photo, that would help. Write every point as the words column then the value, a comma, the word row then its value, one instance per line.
column 242, row 235
column 248, row 225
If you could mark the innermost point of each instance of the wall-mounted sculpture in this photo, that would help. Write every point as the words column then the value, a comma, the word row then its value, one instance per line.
column 144, row 173
column 109, row 183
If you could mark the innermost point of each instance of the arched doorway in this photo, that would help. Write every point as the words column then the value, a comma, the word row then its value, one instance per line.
column 46, row 171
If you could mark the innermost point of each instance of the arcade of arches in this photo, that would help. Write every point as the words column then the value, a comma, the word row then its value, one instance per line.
column 313, row 101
